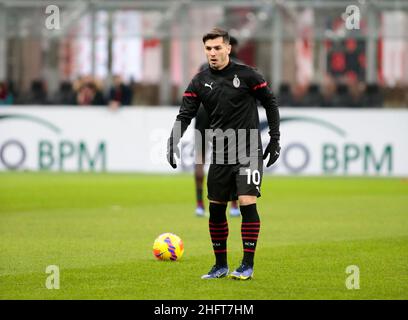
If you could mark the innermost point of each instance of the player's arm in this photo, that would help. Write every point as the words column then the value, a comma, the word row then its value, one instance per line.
column 262, row 92
column 188, row 110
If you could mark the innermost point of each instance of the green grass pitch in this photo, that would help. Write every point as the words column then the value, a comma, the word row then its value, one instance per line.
column 99, row 230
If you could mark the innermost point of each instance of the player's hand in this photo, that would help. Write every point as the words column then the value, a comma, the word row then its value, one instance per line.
column 273, row 150
column 171, row 150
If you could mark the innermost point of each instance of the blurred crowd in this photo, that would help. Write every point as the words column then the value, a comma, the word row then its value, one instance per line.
column 87, row 91
column 344, row 93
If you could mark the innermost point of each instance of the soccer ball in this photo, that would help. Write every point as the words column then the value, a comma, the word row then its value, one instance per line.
column 168, row 246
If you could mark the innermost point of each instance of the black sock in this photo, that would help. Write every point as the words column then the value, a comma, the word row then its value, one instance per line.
column 218, row 226
column 249, row 232
column 200, row 202
column 199, row 179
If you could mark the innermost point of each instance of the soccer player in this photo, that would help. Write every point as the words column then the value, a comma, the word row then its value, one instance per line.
column 228, row 92
column 202, row 122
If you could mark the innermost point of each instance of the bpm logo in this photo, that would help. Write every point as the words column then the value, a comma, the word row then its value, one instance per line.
column 336, row 158
column 50, row 153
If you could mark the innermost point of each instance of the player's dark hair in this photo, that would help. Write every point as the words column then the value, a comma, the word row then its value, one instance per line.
column 233, row 41
column 216, row 33
column 234, row 47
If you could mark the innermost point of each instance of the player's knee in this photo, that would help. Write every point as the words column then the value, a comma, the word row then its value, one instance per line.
column 246, row 200
column 217, row 202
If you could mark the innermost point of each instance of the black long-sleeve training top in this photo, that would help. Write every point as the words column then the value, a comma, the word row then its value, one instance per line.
column 230, row 98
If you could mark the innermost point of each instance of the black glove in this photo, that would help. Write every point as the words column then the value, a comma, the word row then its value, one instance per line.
column 171, row 150
column 273, row 150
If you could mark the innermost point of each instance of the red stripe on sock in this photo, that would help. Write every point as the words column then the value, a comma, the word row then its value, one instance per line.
column 249, row 250
column 249, row 238
column 218, row 234
column 218, row 224
column 220, row 251
column 225, row 238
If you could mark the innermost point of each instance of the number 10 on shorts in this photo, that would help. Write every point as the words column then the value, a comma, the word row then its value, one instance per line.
column 254, row 175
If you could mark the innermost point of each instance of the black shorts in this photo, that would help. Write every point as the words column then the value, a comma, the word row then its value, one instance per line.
column 227, row 182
